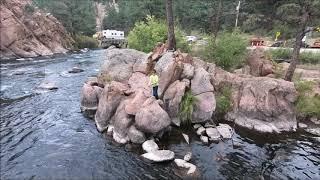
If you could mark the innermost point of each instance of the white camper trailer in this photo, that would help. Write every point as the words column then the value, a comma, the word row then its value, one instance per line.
column 112, row 34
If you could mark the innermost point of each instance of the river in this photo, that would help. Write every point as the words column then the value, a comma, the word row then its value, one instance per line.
column 44, row 136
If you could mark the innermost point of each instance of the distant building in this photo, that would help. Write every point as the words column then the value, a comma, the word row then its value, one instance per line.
column 113, row 34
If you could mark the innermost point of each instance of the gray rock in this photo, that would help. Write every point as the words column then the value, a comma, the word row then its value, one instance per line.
column 182, row 163
column 159, row 155
column 204, row 107
column 48, row 86
column 110, row 130
column 197, row 126
column 151, row 118
column 75, row 70
column 186, row 137
column 225, row 131
column 200, row 82
column 119, row 138
column 187, row 157
column 118, row 64
column 188, row 71
column 315, row 120
column 208, row 125
column 150, row 146
column 204, row 139
column 136, row 136
column 201, row 130
column 213, row 134
column 314, row 131
column 302, row 125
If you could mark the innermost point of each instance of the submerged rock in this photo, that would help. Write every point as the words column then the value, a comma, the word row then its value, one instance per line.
column 159, row 155
column 48, row 86
column 75, row 70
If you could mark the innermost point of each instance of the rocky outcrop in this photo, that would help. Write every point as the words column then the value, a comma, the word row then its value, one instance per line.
column 263, row 104
column 126, row 103
column 28, row 32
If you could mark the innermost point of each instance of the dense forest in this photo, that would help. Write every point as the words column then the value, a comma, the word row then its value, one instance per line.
column 261, row 17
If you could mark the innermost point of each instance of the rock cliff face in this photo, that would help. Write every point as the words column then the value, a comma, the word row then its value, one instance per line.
column 26, row 31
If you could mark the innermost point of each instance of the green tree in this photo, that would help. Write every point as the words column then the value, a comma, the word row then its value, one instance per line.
column 299, row 14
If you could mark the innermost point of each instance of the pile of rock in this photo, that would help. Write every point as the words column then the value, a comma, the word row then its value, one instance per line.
column 121, row 96
column 213, row 133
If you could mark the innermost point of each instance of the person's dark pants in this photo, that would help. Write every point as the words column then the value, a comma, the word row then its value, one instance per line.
column 155, row 91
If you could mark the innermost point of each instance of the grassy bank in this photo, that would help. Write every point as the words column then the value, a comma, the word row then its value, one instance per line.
column 305, row 57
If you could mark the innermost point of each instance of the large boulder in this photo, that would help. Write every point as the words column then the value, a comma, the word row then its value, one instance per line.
column 136, row 102
column 172, row 99
column 151, row 118
column 121, row 121
column 110, row 99
column 169, row 71
column 200, row 83
column 139, row 81
column 90, row 94
column 263, row 104
column 118, row 64
column 204, row 106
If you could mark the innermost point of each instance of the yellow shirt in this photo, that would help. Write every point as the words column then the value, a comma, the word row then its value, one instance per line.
column 154, row 79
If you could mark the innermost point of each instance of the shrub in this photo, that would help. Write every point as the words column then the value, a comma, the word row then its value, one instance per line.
column 306, row 104
column 229, row 51
column 186, row 109
column 82, row 41
column 223, row 101
column 145, row 35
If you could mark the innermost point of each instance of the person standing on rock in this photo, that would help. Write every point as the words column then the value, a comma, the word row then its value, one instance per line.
column 154, row 81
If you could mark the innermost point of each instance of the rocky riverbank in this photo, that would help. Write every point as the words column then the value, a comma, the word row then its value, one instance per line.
column 27, row 31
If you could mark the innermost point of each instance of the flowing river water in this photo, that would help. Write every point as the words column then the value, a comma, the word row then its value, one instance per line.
column 44, row 136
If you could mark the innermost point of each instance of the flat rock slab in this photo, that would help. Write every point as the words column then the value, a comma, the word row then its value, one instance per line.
column 150, row 146
column 225, row 131
column 314, row 131
column 159, row 155
column 213, row 133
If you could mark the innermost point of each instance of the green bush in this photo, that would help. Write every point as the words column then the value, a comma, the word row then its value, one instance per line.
column 85, row 42
column 186, row 109
column 223, row 101
column 306, row 104
column 145, row 35
column 229, row 51
column 305, row 57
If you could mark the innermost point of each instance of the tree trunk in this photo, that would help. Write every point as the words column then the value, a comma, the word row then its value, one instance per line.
column 216, row 25
column 297, row 46
column 170, row 23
